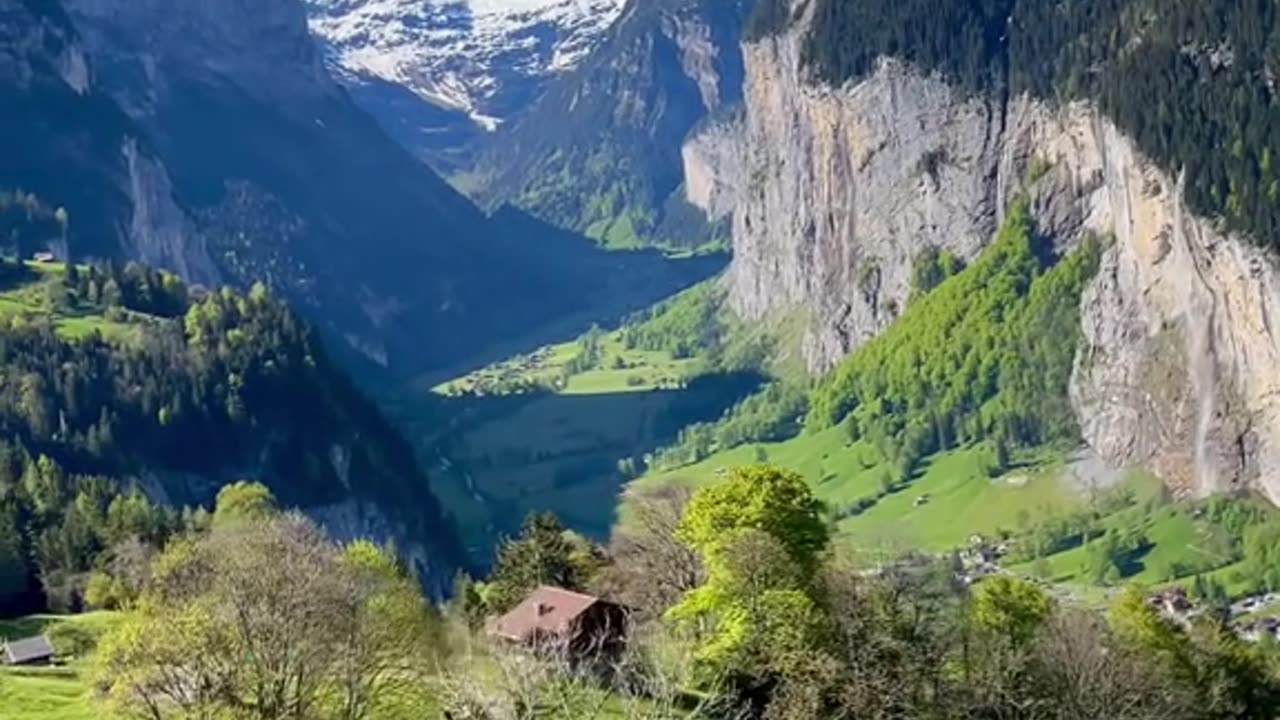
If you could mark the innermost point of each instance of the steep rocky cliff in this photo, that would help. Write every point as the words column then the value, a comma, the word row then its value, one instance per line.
column 835, row 191
column 70, row 145
column 600, row 152
column 289, row 182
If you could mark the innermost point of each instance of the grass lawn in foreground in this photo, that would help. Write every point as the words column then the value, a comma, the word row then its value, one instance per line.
column 50, row 693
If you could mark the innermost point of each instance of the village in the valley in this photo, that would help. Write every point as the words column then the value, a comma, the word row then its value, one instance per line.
column 1255, row 618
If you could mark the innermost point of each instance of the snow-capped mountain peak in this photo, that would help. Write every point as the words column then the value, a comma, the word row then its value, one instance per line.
column 487, row 58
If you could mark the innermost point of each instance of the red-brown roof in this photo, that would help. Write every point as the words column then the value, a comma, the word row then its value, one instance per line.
column 548, row 611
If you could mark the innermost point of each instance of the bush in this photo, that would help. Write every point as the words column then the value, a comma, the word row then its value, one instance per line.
column 72, row 639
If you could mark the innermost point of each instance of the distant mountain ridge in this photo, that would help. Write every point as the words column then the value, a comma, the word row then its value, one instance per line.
column 440, row 73
column 600, row 153
column 210, row 138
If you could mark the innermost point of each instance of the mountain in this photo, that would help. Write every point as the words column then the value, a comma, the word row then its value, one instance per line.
column 209, row 138
column 600, row 152
column 876, row 135
column 66, row 141
column 126, row 381
column 439, row 74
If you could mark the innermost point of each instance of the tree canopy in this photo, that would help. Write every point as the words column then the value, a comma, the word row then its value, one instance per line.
column 1188, row 80
column 767, row 499
column 269, row 619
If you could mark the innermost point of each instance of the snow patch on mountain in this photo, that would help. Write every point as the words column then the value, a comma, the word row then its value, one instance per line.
column 487, row 58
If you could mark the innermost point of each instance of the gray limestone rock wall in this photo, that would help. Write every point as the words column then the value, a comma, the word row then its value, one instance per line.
column 161, row 233
column 834, row 192
column 118, row 193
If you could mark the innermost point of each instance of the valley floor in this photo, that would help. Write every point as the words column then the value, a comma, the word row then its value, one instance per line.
column 528, row 435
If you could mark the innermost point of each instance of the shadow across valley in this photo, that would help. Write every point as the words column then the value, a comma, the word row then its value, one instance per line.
column 610, row 285
column 501, row 457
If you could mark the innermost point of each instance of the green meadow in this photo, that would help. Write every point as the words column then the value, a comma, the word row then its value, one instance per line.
column 59, row 692
column 30, row 298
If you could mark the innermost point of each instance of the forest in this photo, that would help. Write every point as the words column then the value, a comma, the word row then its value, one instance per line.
column 207, row 390
column 1191, row 82
column 741, row 607
column 981, row 353
column 986, row 355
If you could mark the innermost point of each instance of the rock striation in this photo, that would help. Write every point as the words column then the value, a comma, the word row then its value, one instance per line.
column 71, row 146
column 834, row 192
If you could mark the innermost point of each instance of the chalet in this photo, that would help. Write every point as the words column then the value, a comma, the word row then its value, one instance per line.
column 44, row 257
column 559, row 620
column 31, row 651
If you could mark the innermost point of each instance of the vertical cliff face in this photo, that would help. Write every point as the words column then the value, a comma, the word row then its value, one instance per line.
column 839, row 191
column 600, row 152
column 290, row 183
column 834, row 192
column 71, row 145
column 1180, row 367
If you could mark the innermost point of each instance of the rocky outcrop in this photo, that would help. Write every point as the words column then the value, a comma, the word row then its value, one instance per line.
column 713, row 173
column 160, row 233
column 836, row 191
column 600, row 152
column 73, row 147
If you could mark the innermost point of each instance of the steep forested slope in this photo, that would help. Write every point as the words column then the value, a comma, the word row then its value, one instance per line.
column 983, row 353
column 1192, row 82
column 149, row 389
column 987, row 354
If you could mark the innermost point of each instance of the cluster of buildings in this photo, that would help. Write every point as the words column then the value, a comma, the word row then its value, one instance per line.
column 981, row 559
column 1176, row 605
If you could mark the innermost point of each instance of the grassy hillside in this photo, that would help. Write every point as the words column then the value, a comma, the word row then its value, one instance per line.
column 53, row 693
column 963, row 499
column 953, row 496
column 32, row 294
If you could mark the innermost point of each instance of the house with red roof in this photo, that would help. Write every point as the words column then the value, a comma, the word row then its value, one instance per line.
column 559, row 620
